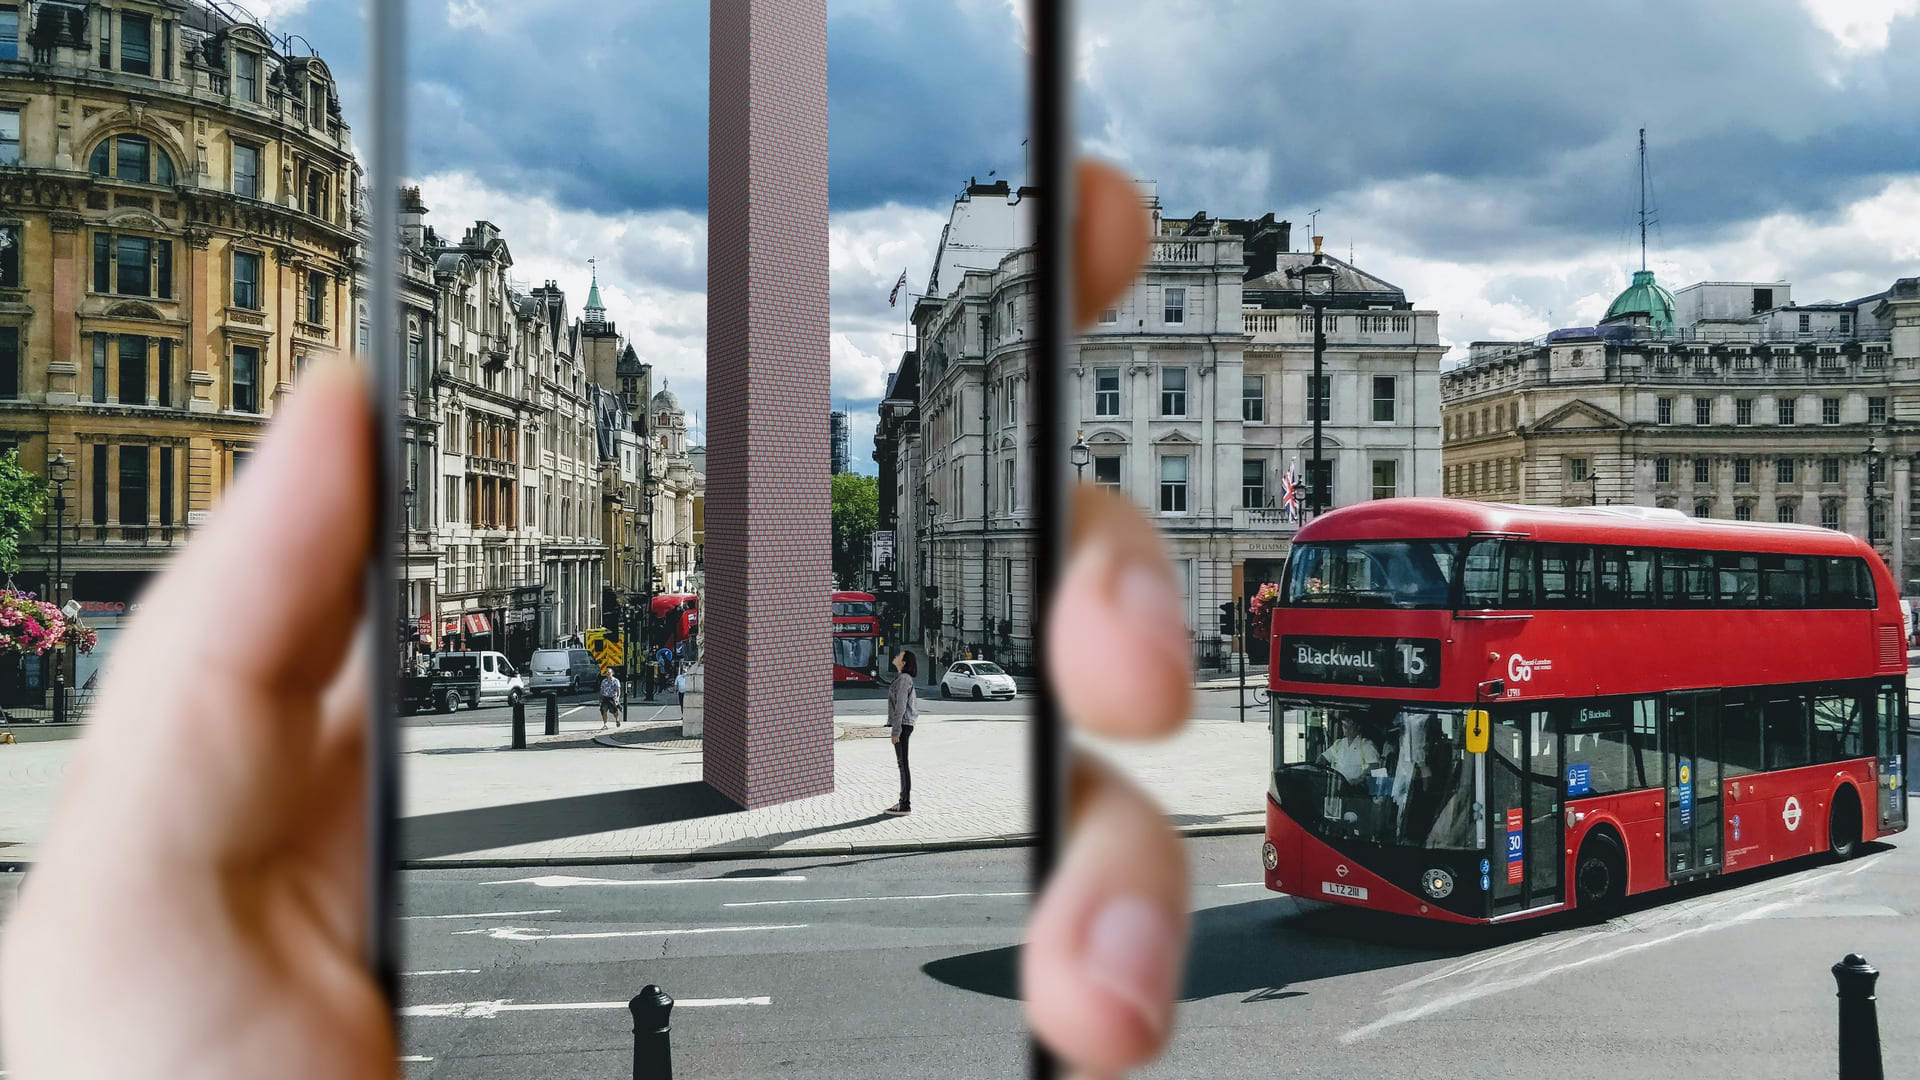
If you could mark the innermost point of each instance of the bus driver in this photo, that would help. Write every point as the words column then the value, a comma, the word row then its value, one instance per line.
column 1352, row 755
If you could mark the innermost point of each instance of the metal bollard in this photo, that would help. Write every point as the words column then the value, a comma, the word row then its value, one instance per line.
column 553, row 714
column 1859, row 1019
column 520, row 725
column 652, row 1034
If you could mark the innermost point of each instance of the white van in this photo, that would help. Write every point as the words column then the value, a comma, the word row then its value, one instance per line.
column 497, row 682
column 1906, row 613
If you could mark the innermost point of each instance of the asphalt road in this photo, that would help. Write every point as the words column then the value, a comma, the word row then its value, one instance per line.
column 847, row 700
column 904, row 966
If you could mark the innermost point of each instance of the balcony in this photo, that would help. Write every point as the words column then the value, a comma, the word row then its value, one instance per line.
column 1263, row 519
column 1382, row 328
column 1196, row 252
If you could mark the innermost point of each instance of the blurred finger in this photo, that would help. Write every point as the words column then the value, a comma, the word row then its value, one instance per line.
column 1103, row 954
column 1117, row 646
column 1111, row 235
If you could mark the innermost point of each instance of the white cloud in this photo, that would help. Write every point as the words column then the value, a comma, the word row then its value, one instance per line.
column 1860, row 26
column 468, row 14
column 269, row 12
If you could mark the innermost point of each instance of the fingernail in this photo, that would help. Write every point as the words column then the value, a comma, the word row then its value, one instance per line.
column 1130, row 950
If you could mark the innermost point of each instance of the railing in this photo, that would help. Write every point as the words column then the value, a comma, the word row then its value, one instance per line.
column 79, row 707
column 1347, row 327
column 1197, row 251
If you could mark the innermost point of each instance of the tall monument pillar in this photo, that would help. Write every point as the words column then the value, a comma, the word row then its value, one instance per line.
column 769, row 645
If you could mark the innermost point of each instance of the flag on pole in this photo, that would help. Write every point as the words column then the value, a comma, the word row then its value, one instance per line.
column 893, row 297
column 1290, row 492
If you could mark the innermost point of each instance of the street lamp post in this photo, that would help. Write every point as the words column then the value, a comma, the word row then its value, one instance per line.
column 651, row 488
column 1593, row 488
column 1316, row 285
column 57, row 475
column 927, row 588
column 406, row 571
column 1080, row 454
column 1873, row 466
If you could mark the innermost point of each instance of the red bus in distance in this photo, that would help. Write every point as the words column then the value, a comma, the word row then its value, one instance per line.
column 678, row 615
column 1482, row 712
column 856, row 639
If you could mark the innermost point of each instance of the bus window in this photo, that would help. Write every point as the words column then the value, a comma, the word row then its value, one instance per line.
column 1517, row 582
column 1741, row 723
column 1601, row 757
column 1784, row 580
column 1838, row 731
column 1863, row 590
column 1566, row 575
column 1480, row 576
column 1739, row 579
column 1625, row 578
column 1377, row 774
column 1686, row 579
column 1844, row 583
column 1372, row 573
column 1787, row 733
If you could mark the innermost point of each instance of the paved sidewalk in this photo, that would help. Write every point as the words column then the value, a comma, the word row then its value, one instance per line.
column 577, row 799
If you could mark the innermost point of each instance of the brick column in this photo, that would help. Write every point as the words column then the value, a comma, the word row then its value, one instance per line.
column 769, row 695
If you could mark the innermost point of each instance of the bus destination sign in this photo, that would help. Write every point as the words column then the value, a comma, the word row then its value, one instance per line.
column 1411, row 663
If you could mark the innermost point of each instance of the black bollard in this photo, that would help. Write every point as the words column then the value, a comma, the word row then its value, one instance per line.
column 652, row 1034
column 520, row 725
column 1859, row 1019
column 553, row 714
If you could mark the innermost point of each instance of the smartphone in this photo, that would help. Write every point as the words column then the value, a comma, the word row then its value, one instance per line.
column 1050, row 24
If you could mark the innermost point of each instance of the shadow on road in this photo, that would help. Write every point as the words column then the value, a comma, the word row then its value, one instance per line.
column 457, row 832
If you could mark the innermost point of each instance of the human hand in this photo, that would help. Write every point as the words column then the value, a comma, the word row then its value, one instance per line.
column 200, row 904
column 1107, row 939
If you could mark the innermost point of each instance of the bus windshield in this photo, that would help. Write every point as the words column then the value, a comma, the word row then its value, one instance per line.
column 845, row 608
column 1380, row 774
column 853, row 653
column 1372, row 573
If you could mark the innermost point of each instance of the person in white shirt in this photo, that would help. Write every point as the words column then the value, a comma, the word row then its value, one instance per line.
column 1352, row 754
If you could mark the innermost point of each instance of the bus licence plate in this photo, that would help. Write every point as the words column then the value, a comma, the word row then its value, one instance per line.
column 1351, row 892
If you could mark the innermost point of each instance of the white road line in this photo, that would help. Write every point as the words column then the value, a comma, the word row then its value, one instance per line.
column 414, row 1057
column 1238, row 884
column 571, row 711
column 488, row 914
column 529, row 933
column 487, row 1010
column 445, row 971
column 564, row 881
column 870, row 899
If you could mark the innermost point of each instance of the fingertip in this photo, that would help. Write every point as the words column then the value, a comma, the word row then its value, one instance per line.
column 1112, row 234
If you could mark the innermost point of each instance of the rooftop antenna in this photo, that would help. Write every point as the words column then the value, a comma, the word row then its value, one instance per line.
column 1313, row 223
column 1643, row 198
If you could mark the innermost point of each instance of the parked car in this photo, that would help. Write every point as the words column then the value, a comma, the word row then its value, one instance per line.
column 978, row 679
column 474, row 679
column 561, row 671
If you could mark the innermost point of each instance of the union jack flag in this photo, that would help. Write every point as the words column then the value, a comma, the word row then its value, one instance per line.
column 1290, row 492
column 894, row 296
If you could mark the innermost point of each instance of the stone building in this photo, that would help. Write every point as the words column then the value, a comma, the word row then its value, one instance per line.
column 178, row 247
column 1724, row 400
column 1192, row 394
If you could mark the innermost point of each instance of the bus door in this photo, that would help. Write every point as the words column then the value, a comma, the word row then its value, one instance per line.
column 1692, row 744
column 1890, row 730
column 1526, row 828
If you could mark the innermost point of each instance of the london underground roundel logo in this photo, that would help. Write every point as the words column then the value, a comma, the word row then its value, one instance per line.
column 1341, row 870
column 1790, row 814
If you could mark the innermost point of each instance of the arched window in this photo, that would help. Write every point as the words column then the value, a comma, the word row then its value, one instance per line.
column 130, row 157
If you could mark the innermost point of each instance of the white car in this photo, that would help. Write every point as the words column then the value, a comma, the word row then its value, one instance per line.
column 977, row 679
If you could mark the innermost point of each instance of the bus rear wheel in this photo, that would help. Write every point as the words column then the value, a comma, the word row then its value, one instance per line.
column 1843, row 825
column 1600, row 876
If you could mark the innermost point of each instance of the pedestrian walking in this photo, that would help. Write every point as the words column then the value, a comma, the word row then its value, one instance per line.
column 902, row 710
column 609, row 699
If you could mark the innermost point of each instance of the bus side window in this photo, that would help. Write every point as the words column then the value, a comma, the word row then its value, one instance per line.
column 1787, row 733
column 1838, row 728
column 1517, row 584
column 1646, row 743
column 1784, row 581
column 1566, row 575
column 1741, row 748
column 1598, row 740
column 1863, row 590
column 1686, row 579
column 1480, row 576
column 1739, row 579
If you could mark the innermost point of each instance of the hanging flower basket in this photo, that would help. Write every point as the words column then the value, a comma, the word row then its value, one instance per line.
column 1262, row 609
column 28, row 625
column 80, row 637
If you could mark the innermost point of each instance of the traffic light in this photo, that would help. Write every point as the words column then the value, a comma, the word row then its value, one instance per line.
column 1227, row 619
column 610, row 609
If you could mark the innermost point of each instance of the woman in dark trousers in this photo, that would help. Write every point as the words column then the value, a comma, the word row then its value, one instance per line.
column 902, row 709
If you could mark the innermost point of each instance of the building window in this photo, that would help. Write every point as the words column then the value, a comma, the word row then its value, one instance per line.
column 1106, row 473
column 317, row 193
column 163, row 372
column 1702, row 471
column 1663, row 411
column 131, row 158
column 9, row 362
column 1830, row 470
column 166, row 486
column 1106, row 392
column 1320, row 483
column 1012, row 491
column 9, row 36
column 133, row 369
column 1743, row 512
column 1806, row 322
column 1175, row 309
column 1386, row 395
column 1743, row 411
column 1109, row 317
column 1577, row 470
column 246, row 170
column 1253, row 398
column 1743, row 470
column 1830, row 410
column 246, row 75
column 99, row 489
column 1876, row 471
column 1876, row 522
column 1173, row 485
column 1703, row 410
column 1787, row 407
column 1829, row 515
column 100, row 368
column 316, row 298
column 246, row 378
column 1173, row 392
column 133, row 485
column 1846, row 323
column 1702, row 508
column 246, row 280
column 1876, row 410
column 1253, row 483
column 1786, row 513
column 1385, row 479
column 9, row 136
column 1663, row 470
column 1320, row 399
column 136, row 44
column 1783, row 470
column 10, row 239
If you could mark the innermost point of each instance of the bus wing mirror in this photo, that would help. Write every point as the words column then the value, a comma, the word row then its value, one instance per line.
column 1479, row 729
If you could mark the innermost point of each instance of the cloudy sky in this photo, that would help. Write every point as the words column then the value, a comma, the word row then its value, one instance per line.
column 1478, row 154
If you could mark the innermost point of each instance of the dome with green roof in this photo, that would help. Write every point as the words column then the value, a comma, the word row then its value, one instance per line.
column 1645, row 297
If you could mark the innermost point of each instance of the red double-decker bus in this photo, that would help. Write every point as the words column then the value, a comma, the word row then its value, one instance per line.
column 1485, row 712
column 677, row 615
column 856, row 639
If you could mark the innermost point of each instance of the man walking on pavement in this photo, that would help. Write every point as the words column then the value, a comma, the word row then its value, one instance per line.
column 902, row 710
column 609, row 699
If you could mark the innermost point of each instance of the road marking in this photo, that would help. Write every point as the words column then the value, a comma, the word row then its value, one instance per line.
column 1239, row 884
column 571, row 711
column 446, row 971
column 414, row 1057
column 487, row 1010
column 488, row 914
column 563, row 881
column 530, row 933
column 870, row 899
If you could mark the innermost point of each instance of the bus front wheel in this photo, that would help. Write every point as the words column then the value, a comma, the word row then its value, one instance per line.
column 1843, row 824
column 1600, row 876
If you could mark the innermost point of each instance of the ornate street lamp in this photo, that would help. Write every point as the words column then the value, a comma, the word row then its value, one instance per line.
column 1080, row 454
column 1873, row 455
column 58, row 473
column 1316, row 287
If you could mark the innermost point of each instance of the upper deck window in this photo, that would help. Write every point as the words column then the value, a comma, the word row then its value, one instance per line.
column 1372, row 573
